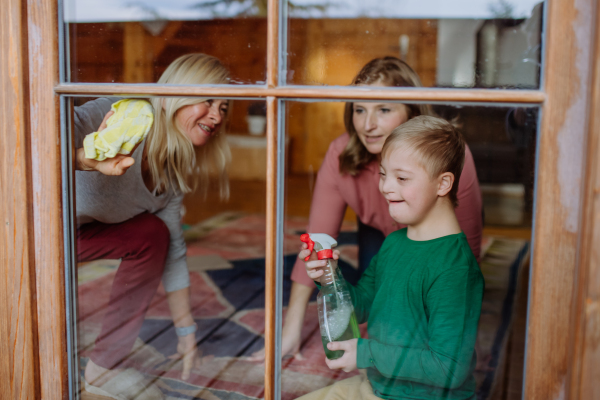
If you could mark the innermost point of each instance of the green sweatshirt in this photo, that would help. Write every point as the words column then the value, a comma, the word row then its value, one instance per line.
column 422, row 301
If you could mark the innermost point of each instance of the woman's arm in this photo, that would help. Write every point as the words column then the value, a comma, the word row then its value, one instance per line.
column 327, row 208
column 326, row 213
column 176, row 275
column 176, row 280
column 179, row 304
column 469, row 210
column 91, row 117
column 88, row 117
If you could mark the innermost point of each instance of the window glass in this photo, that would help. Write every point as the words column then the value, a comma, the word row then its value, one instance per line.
column 463, row 44
column 411, row 321
column 153, row 264
column 134, row 42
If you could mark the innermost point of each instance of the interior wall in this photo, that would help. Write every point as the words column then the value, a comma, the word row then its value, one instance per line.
column 129, row 52
column 331, row 52
column 322, row 51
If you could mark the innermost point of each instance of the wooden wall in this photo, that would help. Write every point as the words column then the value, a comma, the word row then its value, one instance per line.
column 128, row 52
column 322, row 52
column 331, row 52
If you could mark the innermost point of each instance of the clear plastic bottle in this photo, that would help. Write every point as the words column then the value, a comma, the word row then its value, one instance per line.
column 336, row 312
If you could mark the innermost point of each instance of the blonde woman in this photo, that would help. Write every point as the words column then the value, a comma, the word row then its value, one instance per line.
column 349, row 177
column 129, row 208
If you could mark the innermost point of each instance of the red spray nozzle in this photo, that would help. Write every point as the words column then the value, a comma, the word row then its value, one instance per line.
column 305, row 237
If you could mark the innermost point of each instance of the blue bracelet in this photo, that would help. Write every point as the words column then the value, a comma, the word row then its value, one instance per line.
column 186, row 330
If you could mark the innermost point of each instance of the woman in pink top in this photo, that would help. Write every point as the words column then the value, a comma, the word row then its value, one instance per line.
column 349, row 176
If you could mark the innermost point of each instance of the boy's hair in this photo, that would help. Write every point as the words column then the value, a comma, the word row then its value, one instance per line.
column 436, row 142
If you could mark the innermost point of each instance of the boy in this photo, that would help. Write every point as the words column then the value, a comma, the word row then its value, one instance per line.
column 421, row 294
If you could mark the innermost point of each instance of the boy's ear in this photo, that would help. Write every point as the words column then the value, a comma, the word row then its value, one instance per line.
column 445, row 182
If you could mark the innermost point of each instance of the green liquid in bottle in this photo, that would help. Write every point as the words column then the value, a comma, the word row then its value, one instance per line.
column 351, row 332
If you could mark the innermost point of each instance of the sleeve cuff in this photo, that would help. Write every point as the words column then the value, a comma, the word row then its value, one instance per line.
column 176, row 276
column 364, row 358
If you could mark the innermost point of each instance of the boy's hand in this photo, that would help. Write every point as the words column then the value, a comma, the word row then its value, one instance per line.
column 314, row 267
column 347, row 362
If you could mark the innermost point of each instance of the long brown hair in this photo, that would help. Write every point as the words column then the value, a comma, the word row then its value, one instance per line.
column 389, row 71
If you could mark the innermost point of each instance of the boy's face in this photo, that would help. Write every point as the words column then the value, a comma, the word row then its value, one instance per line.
column 409, row 190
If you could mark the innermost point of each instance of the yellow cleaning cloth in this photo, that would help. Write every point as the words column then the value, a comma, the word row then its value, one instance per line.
column 127, row 127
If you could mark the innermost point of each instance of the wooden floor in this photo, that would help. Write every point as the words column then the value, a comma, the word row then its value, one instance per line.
column 249, row 197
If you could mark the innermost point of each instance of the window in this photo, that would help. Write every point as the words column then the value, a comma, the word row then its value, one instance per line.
column 325, row 45
column 558, row 91
column 497, row 183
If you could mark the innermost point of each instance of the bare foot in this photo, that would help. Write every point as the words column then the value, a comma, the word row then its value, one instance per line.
column 97, row 376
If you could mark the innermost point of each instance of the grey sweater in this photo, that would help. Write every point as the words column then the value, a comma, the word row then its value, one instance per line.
column 114, row 199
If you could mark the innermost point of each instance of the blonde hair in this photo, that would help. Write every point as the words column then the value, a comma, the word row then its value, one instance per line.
column 171, row 154
column 390, row 71
column 436, row 143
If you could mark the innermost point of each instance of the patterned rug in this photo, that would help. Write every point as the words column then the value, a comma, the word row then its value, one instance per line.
column 226, row 262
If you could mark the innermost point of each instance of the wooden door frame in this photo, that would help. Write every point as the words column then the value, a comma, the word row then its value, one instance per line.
column 561, row 166
column 585, row 313
column 563, row 353
column 19, row 362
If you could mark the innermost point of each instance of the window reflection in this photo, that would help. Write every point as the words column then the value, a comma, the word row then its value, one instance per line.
column 134, row 42
column 320, row 199
column 171, row 284
column 464, row 43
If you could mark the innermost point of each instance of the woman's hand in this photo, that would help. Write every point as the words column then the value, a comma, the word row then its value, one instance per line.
column 188, row 352
column 117, row 165
column 291, row 334
column 314, row 267
column 347, row 362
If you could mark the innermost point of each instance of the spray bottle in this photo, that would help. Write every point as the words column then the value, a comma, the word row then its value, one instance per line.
column 336, row 313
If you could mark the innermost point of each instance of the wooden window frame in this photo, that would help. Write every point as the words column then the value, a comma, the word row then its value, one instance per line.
column 563, row 338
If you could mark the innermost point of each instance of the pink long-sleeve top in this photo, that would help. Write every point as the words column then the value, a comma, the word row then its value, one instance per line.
column 334, row 191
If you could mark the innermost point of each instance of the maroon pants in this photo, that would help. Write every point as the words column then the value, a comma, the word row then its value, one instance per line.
column 142, row 244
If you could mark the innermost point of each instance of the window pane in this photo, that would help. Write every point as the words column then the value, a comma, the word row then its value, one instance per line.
column 465, row 43
column 134, row 42
column 412, row 323
column 149, row 257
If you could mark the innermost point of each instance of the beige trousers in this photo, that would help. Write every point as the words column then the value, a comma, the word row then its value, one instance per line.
column 355, row 388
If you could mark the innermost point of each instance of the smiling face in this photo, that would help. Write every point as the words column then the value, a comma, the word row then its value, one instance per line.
column 408, row 188
column 374, row 122
column 203, row 120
